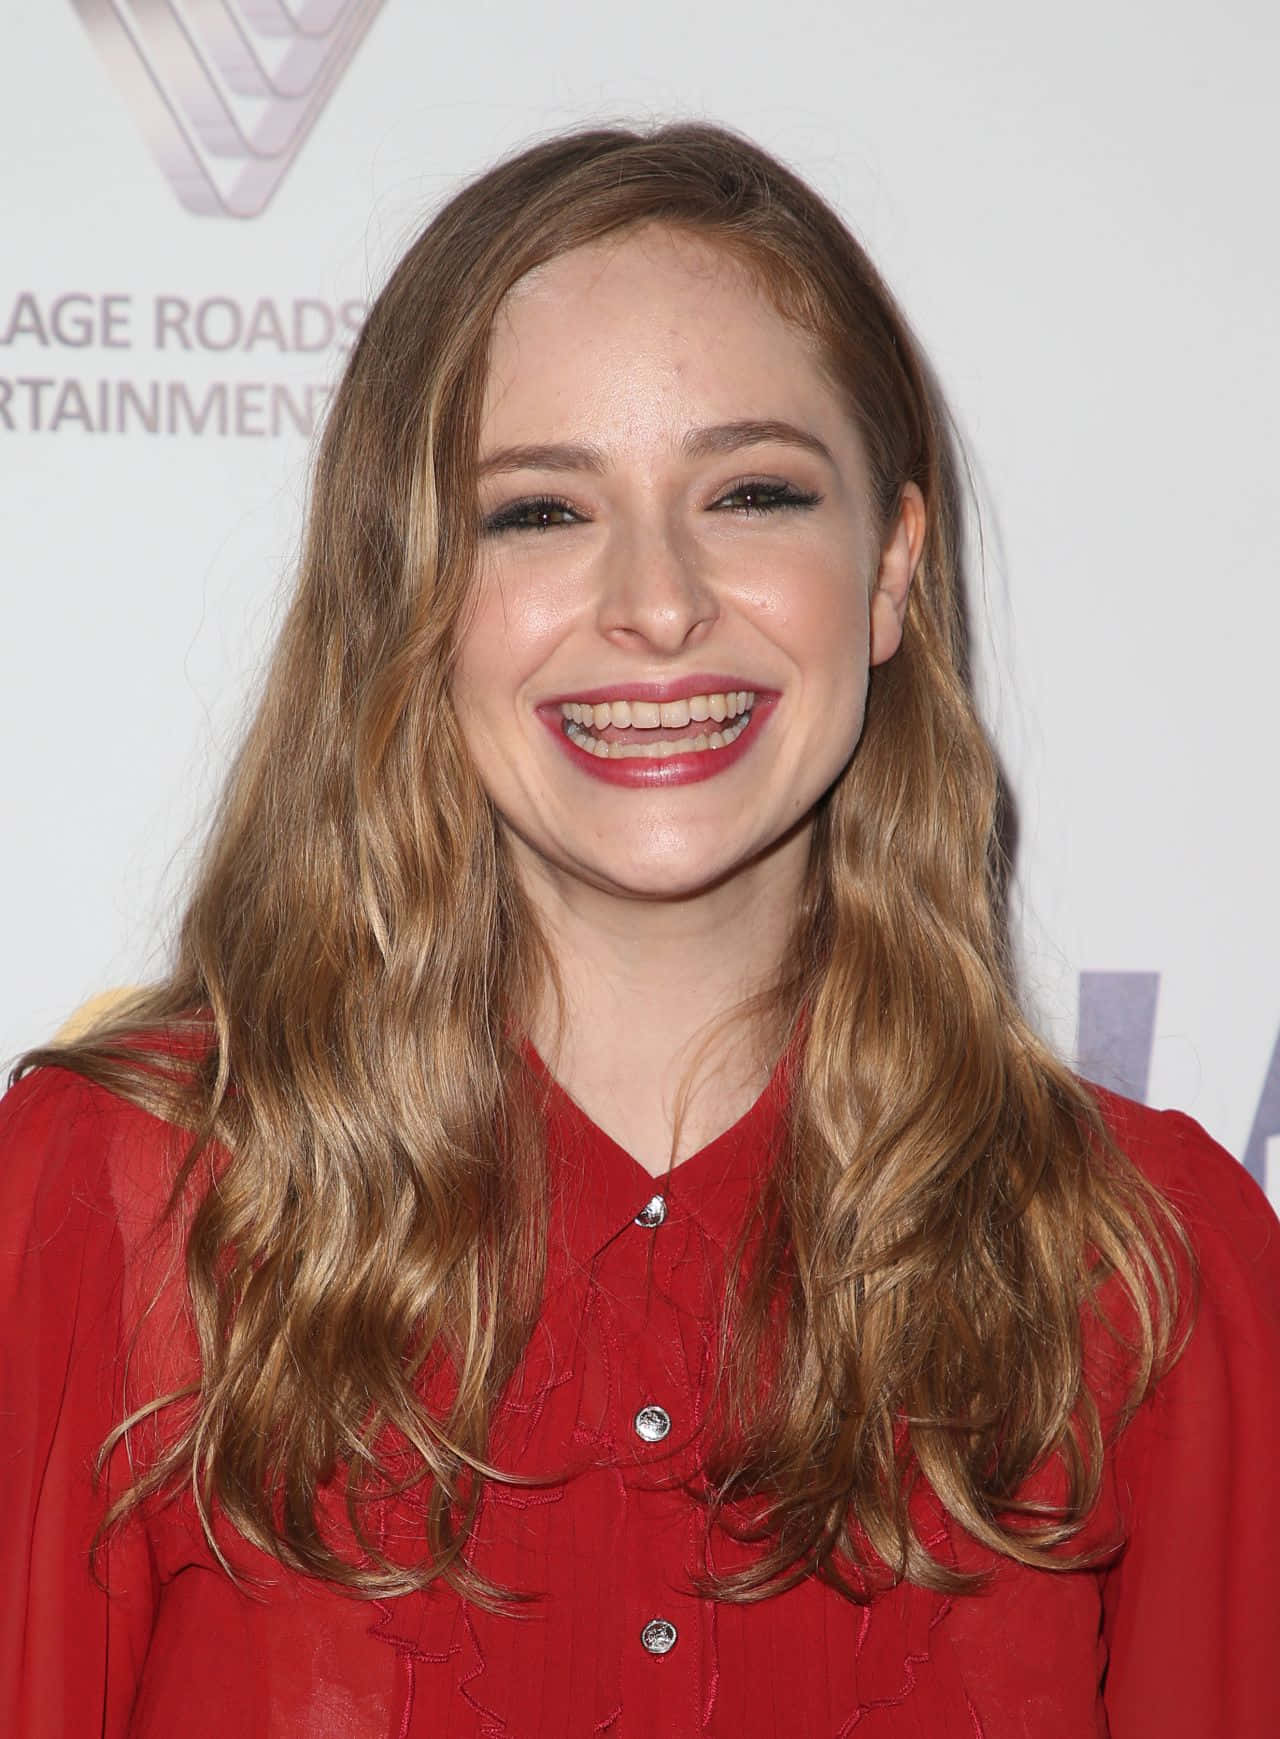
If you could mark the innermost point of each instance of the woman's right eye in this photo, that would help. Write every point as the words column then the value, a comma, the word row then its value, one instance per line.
column 538, row 513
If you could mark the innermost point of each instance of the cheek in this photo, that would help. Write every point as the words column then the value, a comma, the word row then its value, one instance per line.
column 510, row 628
column 818, row 614
column 822, row 624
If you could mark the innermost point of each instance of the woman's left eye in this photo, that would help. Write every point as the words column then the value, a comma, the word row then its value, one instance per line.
column 759, row 495
column 539, row 513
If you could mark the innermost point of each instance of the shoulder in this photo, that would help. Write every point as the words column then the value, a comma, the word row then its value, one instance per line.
column 1231, row 1227
column 70, row 1148
column 89, row 1248
column 1194, row 1173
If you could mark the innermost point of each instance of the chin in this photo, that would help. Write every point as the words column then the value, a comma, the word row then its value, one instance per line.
column 669, row 887
column 680, row 877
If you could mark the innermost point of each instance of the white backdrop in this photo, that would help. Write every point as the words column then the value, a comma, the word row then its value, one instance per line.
column 1076, row 209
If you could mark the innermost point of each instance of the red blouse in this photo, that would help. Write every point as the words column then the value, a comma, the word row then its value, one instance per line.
column 1176, row 1636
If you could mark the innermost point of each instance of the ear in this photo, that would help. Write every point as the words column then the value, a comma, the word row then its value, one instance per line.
column 899, row 556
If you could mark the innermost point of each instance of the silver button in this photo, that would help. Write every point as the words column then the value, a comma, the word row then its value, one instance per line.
column 658, row 1636
column 652, row 1423
column 653, row 1213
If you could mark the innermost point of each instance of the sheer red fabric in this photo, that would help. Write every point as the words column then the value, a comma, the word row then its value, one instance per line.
column 1174, row 1635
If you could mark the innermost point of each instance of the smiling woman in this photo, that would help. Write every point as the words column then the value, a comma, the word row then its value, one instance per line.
column 584, row 1239
column 630, row 383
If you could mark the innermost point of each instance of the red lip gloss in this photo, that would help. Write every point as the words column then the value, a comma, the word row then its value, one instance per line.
column 644, row 771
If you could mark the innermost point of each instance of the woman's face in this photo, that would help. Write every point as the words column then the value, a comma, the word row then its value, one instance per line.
column 682, row 582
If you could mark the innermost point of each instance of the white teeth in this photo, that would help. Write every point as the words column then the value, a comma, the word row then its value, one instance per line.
column 582, row 736
column 647, row 715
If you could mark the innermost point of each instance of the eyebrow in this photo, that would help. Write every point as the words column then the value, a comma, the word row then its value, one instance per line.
column 698, row 444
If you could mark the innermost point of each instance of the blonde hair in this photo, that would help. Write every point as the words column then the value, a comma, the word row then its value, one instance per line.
column 357, row 968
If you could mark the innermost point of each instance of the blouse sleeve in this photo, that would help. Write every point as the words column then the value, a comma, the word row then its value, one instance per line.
column 1192, row 1607
column 70, row 1653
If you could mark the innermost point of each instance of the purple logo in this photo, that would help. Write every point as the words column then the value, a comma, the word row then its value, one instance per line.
column 1115, row 1039
column 226, row 91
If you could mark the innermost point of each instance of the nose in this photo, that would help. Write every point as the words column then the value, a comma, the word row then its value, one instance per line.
column 654, row 592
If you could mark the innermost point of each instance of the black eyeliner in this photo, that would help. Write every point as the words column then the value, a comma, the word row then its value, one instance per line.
column 510, row 517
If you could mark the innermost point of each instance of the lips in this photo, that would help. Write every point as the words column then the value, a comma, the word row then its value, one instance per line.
column 657, row 754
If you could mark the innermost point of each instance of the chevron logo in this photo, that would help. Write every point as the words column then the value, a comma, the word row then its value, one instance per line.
column 226, row 92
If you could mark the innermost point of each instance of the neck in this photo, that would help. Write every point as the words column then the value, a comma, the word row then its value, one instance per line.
column 644, row 1039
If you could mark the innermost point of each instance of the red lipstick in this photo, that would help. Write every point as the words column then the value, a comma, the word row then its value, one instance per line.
column 643, row 771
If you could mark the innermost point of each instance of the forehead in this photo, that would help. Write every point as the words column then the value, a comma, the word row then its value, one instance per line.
column 655, row 314
column 648, row 251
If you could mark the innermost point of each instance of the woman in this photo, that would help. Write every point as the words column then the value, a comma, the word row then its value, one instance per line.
column 585, row 1241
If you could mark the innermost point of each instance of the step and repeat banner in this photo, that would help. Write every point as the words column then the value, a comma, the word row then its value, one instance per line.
column 201, row 196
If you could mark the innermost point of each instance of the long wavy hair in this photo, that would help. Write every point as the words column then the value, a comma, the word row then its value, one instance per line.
column 342, row 1031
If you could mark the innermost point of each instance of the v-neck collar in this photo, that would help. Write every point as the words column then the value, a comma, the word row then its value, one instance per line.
column 599, row 1188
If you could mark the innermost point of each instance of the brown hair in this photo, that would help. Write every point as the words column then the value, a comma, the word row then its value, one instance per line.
column 357, row 966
